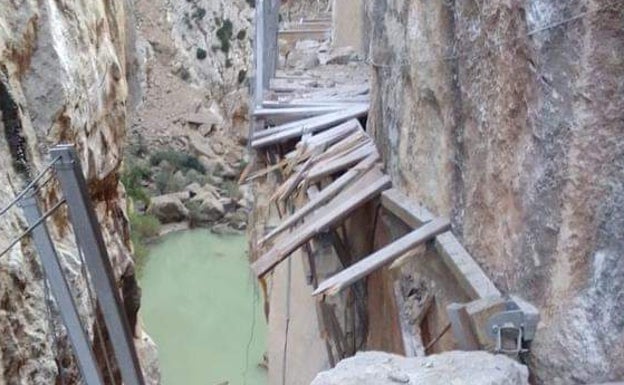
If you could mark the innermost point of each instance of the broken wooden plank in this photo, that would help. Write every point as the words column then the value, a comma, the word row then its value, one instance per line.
column 412, row 342
column 327, row 138
column 292, row 36
column 296, row 129
column 323, row 196
column 324, row 169
column 358, row 193
column 465, row 269
column 382, row 257
column 295, row 112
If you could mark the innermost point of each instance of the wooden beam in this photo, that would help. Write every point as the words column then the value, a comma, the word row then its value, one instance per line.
column 324, row 196
column 292, row 130
column 293, row 103
column 412, row 343
column 360, row 192
column 324, row 169
column 461, row 325
column 295, row 112
column 465, row 269
column 382, row 257
column 404, row 208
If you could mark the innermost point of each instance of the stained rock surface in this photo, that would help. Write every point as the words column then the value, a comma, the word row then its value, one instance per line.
column 465, row 368
column 67, row 75
column 507, row 117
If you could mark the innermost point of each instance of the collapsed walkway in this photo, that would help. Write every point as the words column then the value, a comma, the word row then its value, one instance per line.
column 327, row 217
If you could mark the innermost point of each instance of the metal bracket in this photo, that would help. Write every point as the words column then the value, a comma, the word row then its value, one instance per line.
column 517, row 322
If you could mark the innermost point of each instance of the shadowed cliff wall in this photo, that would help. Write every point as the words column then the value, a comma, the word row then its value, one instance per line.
column 65, row 71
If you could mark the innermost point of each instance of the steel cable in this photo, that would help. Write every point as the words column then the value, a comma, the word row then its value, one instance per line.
column 34, row 225
column 29, row 186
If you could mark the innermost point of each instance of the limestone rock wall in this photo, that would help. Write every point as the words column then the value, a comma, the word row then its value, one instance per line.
column 66, row 68
column 213, row 43
column 508, row 117
column 469, row 368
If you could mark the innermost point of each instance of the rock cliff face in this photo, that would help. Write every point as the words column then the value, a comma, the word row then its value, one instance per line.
column 66, row 68
column 507, row 116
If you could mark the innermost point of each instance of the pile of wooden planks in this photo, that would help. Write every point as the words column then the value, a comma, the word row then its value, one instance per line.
column 346, row 158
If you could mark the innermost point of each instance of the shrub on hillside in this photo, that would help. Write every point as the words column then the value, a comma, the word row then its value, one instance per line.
column 178, row 160
column 143, row 228
column 131, row 177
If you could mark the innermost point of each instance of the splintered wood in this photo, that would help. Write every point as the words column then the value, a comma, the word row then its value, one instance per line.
column 297, row 129
column 365, row 188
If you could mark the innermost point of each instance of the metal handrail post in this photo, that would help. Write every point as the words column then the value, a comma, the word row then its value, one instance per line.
column 91, row 242
column 60, row 289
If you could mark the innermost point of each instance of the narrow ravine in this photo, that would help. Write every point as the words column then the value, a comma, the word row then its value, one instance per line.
column 203, row 311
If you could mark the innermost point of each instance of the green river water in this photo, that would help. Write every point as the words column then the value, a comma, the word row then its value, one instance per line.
column 200, row 306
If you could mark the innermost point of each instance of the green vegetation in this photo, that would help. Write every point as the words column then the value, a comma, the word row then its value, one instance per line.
column 195, row 216
column 242, row 76
column 242, row 34
column 224, row 34
column 177, row 160
column 201, row 54
column 198, row 13
column 232, row 189
column 131, row 177
column 143, row 228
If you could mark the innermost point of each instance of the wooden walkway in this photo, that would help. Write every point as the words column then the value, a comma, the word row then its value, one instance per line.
column 313, row 140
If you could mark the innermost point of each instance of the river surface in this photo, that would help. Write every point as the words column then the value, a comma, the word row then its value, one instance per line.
column 201, row 307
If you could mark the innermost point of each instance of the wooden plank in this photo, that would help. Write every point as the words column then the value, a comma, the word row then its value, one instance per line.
column 317, row 123
column 412, row 343
column 336, row 134
column 307, row 25
column 295, row 112
column 461, row 326
column 324, row 196
column 338, row 150
column 323, row 100
column 404, row 208
column 322, row 170
column 337, row 93
column 382, row 257
column 465, row 269
column 360, row 192
column 276, row 104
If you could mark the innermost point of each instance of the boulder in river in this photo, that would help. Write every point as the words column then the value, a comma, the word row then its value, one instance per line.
column 168, row 208
column 206, row 207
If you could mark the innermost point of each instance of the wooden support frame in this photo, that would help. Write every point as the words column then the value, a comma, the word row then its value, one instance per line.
column 382, row 257
column 461, row 326
column 465, row 269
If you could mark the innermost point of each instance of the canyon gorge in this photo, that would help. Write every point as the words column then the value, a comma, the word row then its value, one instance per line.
column 500, row 121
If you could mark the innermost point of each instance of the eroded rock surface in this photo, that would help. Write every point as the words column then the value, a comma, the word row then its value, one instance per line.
column 67, row 74
column 466, row 368
column 507, row 116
